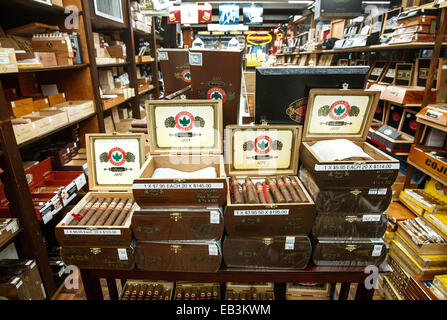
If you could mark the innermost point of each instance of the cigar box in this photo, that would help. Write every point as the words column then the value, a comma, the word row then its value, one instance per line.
column 216, row 75
column 279, row 252
column 40, row 103
column 406, row 95
column 438, row 220
column 21, row 107
column 430, row 159
column 392, row 140
column 56, row 118
column 260, row 152
column 357, row 201
column 8, row 229
column 434, row 115
column 8, row 63
column 174, row 64
column 23, row 130
column 377, row 70
column 113, row 162
column 56, row 99
column 400, row 277
column 161, row 224
column 354, row 253
column 391, row 293
column 308, row 291
column 147, row 290
column 108, row 258
column 425, row 248
column 422, row 68
column 344, row 114
column 75, row 110
column 197, row 290
column 184, row 135
column 389, row 74
column 178, row 256
column 403, row 74
column 249, row 291
column 349, row 226
column 412, row 37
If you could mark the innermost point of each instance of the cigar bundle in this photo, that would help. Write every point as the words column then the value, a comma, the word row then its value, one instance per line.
column 101, row 211
column 421, row 232
column 251, row 294
column 146, row 291
column 282, row 189
column 197, row 293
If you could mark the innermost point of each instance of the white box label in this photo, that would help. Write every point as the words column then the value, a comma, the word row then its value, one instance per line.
column 214, row 217
column 92, row 232
column 377, row 250
column 212, row 250
column 357, row 167
column 177, row 186
column 195, row 59
column 278, row 212
column 371, row 217
column 122, row 254
column 290, row 243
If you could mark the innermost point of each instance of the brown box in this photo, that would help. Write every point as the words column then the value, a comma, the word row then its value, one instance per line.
column 292, row 252
column 116, row 51
column 48, row 59
column 323, row 123
column 134, row 288
column 22, row 107
column 174, row 65
column 28, row 86
column 178, row 256
column 249, row 291
column 195, row 143
column 40, row 103
column 59, row 45
column 426, row 248
column 56, row 99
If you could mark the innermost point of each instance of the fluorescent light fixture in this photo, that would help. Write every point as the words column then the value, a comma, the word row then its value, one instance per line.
column 376, row 2
column 298, row 1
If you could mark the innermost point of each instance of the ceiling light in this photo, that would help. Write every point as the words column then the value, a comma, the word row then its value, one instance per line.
column 298, row 1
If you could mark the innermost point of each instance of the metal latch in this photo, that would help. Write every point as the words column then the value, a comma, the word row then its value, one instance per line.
column 176, row 216
column 355, row 192
column 95, row 250
column 267, row 241
column 351, row 247
column 271, row 206
column 345, row 86
column 176, row 248
column 359, row 163
column 179, row 180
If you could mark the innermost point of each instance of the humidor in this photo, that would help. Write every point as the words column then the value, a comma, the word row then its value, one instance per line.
column 178, row 256
column 113, row 162
column 345, row 114
column 434, row 114
column 353, row 253
column 174, row 65
column 260, row 152
column 291, row 252
column 184, row 135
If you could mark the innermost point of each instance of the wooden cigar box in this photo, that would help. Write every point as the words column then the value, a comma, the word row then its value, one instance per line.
column 56, row 99
column 217, row 74
column 60, row 45
column 430, row 159
column 424, row 20
column 357, row 201
column 389, row 73
column 40, row 103
column 422, row 249
column 377, row 70
column 161, row 224
column 113, row 162
column 185, row 290
column 184, row 135
column 399, row 276
column 249, row 291
column 403, row 74
column 422, row 68
column 419, row 28
column 345, row 114
column 121, row 258
column 147, row 290
column 260, row 152
column 56, row 118
column 291, row 252
column 178, row 256
column 312, row 290
column 406, row 95
column 413, row 37
column 354, row 253
column 76, row 110
column 8, row 229
column 174, row 64
column 349, row 226
column 21, row 107
column 433, row 115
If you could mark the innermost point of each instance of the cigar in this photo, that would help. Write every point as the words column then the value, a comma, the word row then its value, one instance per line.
column 236, row 295
column 107, row 213
column 83, row 211
column 244, row 193
column 167, row 294
column 260, row 296
column 209, row 294
column 275, row 191
column 92, row 221
column 268, row 193
column 157, row 292
column 122, row 217
column 202, row 293
column 285, row 192
column 298, row 189
column 260, row 193
column 215, row 293
column 253, row 295
column 238, row 198
column 178, row 294
column 162, row 295
column 187, row 294
column 230, row 295
column 149, row 292
column 252, row 197
column 291, row 189
column 142, row 292
column 243, row 296
column 127, row 292
column 90, row 213
column 194, row 294
column 135, row 292
column 119, row 207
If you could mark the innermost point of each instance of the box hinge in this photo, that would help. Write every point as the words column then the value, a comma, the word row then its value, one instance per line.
column 267, row 241
column 176, row 216
column 95, row 250
column 176, row 248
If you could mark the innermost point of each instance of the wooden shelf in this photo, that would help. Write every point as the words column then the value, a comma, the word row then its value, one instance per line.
column 141, row 33
column 432, row 124
column 57, row 68
column 151, row 88
column 32, row 6
column 109, row 65
column 444, row 182
column 10, row 239
column 49, row 133
column 147, row 62
column 101, row 24
column 117, row 104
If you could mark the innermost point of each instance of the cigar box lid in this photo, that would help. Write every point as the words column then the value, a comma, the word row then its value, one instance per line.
column 262, row 149
column 184, row 126
column 114, row 160
column 335, row 114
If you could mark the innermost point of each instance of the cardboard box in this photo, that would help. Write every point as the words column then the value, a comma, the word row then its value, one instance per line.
column 8, row 63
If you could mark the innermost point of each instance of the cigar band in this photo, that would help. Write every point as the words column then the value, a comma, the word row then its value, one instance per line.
column 78, row 216
column 112, row 205
column 104, row 206
column 89, row 205
column 120, row 206
column 280, row 183
column 128, row 206
column 294, row 183
column 234, row 183
column 248, row 184
column 96, row 206
column 265, row 188
column 149, row 292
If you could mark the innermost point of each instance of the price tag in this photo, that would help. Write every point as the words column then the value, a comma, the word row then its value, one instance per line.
column 61, row 271
column 290, row 243
column 214, row 217
column 33, row 125
column 377, row 250
column 122, row 254
column 47, row 218
column 50, row 119
column 212, row 250
column 371, row 218
column 12, row 226
column 80, row 181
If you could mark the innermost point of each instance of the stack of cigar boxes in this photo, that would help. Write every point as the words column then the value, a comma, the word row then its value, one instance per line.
column 96, row 233
column 350, row 194
column 269, row 213
column 181, row 188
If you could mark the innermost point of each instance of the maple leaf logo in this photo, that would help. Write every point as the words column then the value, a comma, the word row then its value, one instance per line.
column 117, row 156
column 339, row 110
column 184, row 121
column 216, row 96
column 263, row 145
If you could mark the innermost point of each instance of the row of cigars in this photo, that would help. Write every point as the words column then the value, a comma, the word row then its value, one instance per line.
column 178, row 219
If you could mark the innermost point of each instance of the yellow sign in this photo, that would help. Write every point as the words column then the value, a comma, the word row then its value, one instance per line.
column 259, row 39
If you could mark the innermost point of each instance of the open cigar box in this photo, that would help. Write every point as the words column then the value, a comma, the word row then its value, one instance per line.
column 259, row 153
column 406, row 94
column 185, row 290
column 422, row 248
column 194, row 223
column 345, row 114
column 353, row 253
column 147, row 290
column 308, row 291
column 249, row 291
column 113, row 162
column 178, row 256
column 279, row 252
column 185, row 136
column 434, row 114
